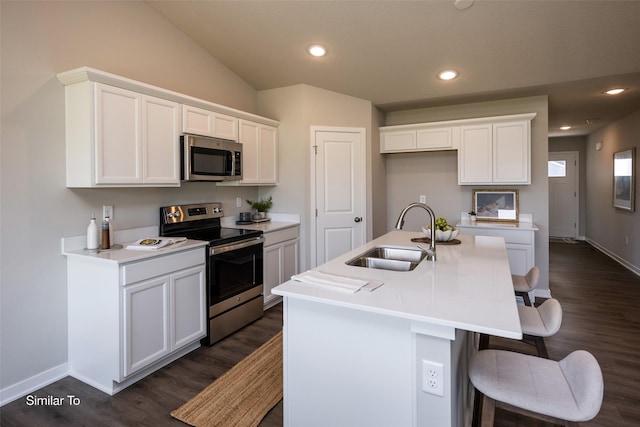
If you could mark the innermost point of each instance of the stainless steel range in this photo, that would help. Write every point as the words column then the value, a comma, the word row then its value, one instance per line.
column 234, row 265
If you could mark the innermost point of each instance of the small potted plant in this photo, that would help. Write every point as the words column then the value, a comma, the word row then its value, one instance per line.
column 472, row 216
column 261, row 207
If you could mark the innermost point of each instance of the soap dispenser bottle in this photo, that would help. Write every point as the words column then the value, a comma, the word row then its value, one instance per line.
column 92, row 234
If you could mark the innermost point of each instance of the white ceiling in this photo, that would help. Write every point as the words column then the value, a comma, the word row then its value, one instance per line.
column 390, row 52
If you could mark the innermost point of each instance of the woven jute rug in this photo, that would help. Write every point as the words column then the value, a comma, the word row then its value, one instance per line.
column 242, row 396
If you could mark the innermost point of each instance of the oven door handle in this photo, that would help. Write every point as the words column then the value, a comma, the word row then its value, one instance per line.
column 217, row 250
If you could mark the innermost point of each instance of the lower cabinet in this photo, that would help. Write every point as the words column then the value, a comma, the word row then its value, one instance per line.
column 281, row 249
column 520, row 243
column 128, row 319
column 161, row 315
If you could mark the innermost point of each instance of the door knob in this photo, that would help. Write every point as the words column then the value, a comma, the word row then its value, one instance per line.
column 357, row 219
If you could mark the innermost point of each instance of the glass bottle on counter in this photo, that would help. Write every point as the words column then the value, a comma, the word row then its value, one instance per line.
column 106, row 241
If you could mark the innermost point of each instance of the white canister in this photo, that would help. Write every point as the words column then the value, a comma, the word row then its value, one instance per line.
column 92, row 234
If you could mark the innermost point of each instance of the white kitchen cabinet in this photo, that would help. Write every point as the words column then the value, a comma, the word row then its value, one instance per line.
column 281, row 249
column 423, row 137
column 127, row 319
column 120, row 138
column 519, row 239
column 203, row 122
column 259, row 154
column 495, row 153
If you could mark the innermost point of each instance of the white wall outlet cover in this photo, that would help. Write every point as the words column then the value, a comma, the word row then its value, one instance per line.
column 433, row 377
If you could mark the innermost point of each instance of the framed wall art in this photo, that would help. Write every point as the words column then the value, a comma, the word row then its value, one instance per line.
column 624, row 179
column 496, row 205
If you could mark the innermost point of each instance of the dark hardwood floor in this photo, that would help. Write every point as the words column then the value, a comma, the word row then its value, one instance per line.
column 600, row 301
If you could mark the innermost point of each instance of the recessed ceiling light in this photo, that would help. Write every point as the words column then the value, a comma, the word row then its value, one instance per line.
column 565, row 127
column 614, row 91
column 448, row 75
column 317, row 50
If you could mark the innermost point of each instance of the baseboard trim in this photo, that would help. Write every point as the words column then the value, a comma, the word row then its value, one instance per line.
column 36, row 382
column 615, row 257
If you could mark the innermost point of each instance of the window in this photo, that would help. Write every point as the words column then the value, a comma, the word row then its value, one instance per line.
column 557, row 168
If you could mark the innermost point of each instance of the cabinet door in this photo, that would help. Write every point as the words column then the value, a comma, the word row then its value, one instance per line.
column 511, row 152
column 118, row 147
column 289, row 259
column 393, row 141
column 520, row 258
column 160, row 136
column 433, row 139
column 188, row 306
column 225, row 127
column 268, row 166
column 249, row 136
column 197, row 121
column 475, row 155
column 272, row 270
column 145, row 323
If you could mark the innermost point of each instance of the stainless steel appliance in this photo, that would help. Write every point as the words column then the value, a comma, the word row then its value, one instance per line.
column 234, row 265
column 210, row 159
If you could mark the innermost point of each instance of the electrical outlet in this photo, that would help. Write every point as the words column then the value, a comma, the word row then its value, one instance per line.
column 107, row 211
column 423, row 199
column 238, row 202
column 626, row 240
column 433, row 377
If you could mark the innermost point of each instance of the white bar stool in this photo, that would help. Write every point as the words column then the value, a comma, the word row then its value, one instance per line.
column 564, row 392
column 540, row 322
column 522, row 285
column 536, row 324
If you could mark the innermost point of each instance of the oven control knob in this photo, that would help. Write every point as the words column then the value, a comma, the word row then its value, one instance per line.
column 176, row 214
column 169, row 215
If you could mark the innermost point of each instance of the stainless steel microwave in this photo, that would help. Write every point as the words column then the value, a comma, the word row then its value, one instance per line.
column 210, row 159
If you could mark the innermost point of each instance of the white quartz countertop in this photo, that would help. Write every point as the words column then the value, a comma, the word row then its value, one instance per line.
column 123, row 256
column 278, row 222
column 469, row 287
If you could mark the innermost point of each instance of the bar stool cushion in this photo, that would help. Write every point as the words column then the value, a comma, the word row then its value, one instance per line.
column 570, row 389
column 528, row 282
column 542, row 321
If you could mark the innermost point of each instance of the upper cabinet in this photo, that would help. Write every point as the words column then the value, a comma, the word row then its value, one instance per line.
column 259, row 154
column 496, row 153
column 124, row 133
column 209, row 123
column 491, row 150
column 117, row 137
column 422, row 137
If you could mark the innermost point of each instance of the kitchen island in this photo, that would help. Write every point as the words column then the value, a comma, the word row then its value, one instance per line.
column 396, row 355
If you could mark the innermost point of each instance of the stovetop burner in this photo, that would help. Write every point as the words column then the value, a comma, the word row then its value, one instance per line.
column 200, row 222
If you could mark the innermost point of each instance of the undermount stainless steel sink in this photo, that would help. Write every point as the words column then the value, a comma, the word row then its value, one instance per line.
column 389, row 258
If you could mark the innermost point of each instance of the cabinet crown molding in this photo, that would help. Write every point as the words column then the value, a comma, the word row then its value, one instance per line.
column 81, row 74
column 461, row 122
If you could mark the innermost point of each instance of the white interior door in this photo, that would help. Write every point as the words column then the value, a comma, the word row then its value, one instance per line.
column 338, row 191
column 563, row 194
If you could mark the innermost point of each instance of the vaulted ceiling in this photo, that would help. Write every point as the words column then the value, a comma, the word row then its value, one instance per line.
column 390, row 52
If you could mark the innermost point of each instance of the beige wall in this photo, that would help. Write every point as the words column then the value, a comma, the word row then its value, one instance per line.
column 298, row 108
column 607, row 227
column 435, row 174
column 40, row 39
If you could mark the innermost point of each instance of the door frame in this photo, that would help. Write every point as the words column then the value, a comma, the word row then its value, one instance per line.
column 576, row 178
column 363, row 181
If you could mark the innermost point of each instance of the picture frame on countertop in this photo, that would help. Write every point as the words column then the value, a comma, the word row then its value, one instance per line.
column 624, row 179
column 496, row 205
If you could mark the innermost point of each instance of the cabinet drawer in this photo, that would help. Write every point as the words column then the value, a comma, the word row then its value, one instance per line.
column 135, row 272
column 274, row 237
